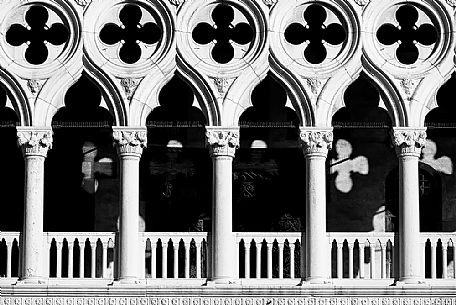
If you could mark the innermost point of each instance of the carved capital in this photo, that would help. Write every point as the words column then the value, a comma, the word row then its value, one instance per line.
column 222, row 141
column 316, row 142
column 34, row 141
column 130, row 141
column 408, row 141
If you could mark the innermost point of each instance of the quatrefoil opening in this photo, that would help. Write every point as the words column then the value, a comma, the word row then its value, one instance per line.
column 223, row 33
column 315, row 33
column 407, row 34
column 37, row 34
column 130, row 33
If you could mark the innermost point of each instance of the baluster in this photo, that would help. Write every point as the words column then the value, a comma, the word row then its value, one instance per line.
column 198, row 259
column 444, row 260
column 383, row 248
column 269, row 259
column 59, row 258
column 280, row 244
column 9, row 248
column 361, row 260
column 350, row 260
column 423, row 259
column 187, row 260
column 246, row 260
column 339, row 260
column 372, row 260
column 93, row 259
column 258, row 259
column 70, row 259
column 164, row 260
column 292, row 260
column 104, row 260
column 153, row 259
column 454, row 259
column 176, row 259
column 81, row 259
column 433, row 259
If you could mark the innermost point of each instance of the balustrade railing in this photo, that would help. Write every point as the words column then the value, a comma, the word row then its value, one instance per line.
column 176, row 255
column 81, row 255
column 10, row 254
column 261, row 255
column 439, row 253
column 269, row 255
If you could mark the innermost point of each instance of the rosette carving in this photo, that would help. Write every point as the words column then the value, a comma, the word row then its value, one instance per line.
column 130, row 141
column 408, row 141
column 34, row 142
column 316, row 141
column 222, row 142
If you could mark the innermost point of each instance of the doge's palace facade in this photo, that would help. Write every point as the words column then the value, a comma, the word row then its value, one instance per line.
column 223, row 50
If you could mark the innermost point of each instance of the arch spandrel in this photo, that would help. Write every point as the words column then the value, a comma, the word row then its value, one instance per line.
column 17, row 97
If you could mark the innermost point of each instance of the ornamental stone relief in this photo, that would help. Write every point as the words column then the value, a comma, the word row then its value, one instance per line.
column 408, row 141
column 34, row 142
column 316, row 141
column 222, row 142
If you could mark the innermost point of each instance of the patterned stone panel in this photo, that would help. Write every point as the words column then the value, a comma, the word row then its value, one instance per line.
column 304, row 300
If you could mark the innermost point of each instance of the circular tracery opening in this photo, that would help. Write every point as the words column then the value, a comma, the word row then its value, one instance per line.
column 227, row 33
column 39, row 31
column 411, row 36
column 133, row 35
column 320, row 31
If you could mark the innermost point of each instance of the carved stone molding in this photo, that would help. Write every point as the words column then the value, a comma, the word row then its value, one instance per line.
column 34, row 142
column 451, row 2
column 222, row 141
column 35, row 85
column 130, row 141
column 222, row 84
column 270, row 2
column 129, row 85
column 316, row 142
column 408, row 141
column 177, row 3
column 362, row 2
column 83, row 2
column 409, row 86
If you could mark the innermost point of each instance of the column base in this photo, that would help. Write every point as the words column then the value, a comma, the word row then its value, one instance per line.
column 32, row 281
column 316, row 280
column 127, row 281
column 222, row 281
column 410, row 281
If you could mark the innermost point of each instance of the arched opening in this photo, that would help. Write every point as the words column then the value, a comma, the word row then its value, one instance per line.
column 176, row 167
column 12, row 180
column 360, row 160
column 358, row 164
column 269, row 176
column 81, row 180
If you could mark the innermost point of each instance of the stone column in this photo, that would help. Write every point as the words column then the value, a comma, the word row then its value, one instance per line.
column 35, row 144
column 316, row 143
column 130, row 143
column 408, row 143
column 222, row 144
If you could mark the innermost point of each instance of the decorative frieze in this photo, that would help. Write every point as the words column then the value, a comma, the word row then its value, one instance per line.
column 316, row 141
column 409, row 141
column 130, row 140
column 34, row 141
column 211, row 300
column 222, row 142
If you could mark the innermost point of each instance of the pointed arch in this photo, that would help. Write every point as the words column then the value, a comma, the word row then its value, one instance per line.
column 18, row 98
column 146, row 98
column 331, row 99
column 51, row 100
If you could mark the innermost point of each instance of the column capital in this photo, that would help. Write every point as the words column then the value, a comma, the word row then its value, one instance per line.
column 34, row 141
column 222, row 141
column 408, row 141
column 130, row 140
column 316, row 141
